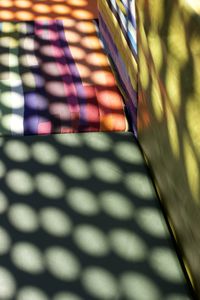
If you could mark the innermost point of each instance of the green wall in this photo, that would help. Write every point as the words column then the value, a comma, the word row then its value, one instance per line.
column 169, row 113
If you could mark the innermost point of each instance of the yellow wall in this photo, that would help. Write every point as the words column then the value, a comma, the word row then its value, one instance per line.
column 169, row 112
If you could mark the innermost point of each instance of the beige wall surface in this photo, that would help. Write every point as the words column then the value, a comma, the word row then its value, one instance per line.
column 169, row 113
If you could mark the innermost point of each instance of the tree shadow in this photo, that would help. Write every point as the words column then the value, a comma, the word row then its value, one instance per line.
column 167, row 115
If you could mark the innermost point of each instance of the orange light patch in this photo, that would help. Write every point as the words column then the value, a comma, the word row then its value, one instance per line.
column 106, row 97
column 49, row 9
column 78, row 3
column 23, row 3
column 6, row 4
column 91, row 42
column 99, row 59
column 82, row 14
column 85, row 27
column 107, row 123
column 78, row 53
column 69, row 22
column 103, row 78
column 42, row 8
column 61, row 9
column 72, row 36
column 6, row 15
column 83, row 70
column 116, row 122
column 42, row 18
column 120, row 122
column 24, row 15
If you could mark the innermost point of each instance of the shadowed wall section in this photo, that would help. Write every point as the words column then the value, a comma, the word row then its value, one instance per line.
column 168, row 113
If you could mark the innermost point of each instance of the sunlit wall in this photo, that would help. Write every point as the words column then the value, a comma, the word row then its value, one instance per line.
column 169, row 110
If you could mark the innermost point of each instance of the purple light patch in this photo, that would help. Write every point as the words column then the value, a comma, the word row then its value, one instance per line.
column 36, row 101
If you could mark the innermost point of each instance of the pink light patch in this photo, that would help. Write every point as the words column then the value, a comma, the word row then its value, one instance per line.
column 45, row 127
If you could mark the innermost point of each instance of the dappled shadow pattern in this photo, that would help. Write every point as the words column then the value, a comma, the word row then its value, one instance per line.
column 80, row 220
column 168, row 113
column 27, row 10
column 56, row 78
